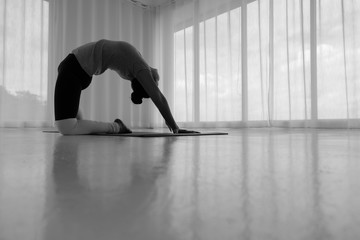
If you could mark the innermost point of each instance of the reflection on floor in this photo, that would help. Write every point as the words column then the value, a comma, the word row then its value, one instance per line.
column 251, row 184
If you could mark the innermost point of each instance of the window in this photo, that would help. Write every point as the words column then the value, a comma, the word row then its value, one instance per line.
column 23, row 59
column 213, row 92
column 254, row 62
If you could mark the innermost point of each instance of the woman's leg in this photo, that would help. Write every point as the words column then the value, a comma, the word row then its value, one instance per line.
column 79, row 115
column 73, row 126
column 69, row 84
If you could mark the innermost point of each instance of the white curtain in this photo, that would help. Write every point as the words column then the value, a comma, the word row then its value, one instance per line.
column 24, row 63
column 36, row 35
column 207, row 61
column 221, row 63
column 266, row 62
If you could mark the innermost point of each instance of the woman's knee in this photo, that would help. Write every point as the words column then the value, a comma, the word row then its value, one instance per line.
column 66, row 126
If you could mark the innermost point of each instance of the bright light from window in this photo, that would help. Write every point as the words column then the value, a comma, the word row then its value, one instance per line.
column 24, row 47
column 219, row 74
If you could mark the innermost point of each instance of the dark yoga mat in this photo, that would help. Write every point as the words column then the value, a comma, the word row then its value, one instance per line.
column 155, row 134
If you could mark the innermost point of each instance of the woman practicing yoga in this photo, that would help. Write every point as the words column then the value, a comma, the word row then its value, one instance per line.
column 75, row 74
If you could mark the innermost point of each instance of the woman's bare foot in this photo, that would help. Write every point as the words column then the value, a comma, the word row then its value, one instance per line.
column 123, row 127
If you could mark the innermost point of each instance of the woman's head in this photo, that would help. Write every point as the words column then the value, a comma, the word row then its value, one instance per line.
column 138, row 92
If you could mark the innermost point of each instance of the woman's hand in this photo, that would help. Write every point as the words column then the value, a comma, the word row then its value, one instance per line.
column 180, row 131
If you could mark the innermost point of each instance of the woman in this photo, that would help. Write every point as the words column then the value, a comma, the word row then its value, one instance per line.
column 75, row 74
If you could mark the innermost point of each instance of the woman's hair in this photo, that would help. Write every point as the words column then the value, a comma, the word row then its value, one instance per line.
column 138, row 92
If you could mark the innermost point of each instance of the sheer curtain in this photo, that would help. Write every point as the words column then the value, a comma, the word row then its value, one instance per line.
column 265, row 63
column 24, row 63
column 222, row 63
column 37, row 34
column 205, row 62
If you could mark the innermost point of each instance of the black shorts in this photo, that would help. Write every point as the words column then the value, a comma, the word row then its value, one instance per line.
column 71, row 80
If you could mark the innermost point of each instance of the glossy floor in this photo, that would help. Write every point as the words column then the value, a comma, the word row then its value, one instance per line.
column 251, row 184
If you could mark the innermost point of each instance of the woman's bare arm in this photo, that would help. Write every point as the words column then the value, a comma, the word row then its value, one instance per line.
column 148, row 83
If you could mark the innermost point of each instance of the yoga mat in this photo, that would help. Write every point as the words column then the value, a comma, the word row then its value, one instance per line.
column 154, row 134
